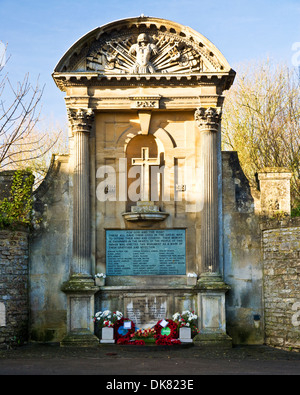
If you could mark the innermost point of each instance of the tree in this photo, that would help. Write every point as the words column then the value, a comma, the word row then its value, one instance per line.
column 261, row 120
column 22, row 144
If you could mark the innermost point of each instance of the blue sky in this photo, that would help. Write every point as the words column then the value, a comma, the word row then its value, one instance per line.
column 38, row 33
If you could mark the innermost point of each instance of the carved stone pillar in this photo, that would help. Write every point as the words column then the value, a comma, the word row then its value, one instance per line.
column 208, row 122
column 212, row 289
column 80, row 288
column 81, row 121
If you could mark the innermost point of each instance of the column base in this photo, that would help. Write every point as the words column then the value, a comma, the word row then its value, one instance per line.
column 80, row 338
column 80, row 283
column 213, row 340
column 211, row 281
column 212, row 315
column 80, row 290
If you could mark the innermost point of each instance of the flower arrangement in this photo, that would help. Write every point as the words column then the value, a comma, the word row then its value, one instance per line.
column 166, row 334
column 147, row 335
column 186, row 319
column 120, row 332
column 100, row 279
column 107, row 318
column 167, row 342
column 100, row 275
column 126, row 341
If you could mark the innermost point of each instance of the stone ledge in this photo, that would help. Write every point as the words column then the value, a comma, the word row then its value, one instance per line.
column 80, row 339
column 288, row 222
column 217, row 340
column 80, row 283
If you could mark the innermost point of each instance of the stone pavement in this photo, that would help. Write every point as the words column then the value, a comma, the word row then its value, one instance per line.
column 147, row 362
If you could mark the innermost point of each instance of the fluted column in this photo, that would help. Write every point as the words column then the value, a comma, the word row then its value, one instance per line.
column 208, row 122
column 80, row 287
column 212, row 289
column 81, row 121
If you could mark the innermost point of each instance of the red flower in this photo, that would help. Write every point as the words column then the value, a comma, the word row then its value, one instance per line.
column 164, row 339
column 126, row 341
column 126, row 335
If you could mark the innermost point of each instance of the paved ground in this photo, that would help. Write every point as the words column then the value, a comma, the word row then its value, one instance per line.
column 147, row 363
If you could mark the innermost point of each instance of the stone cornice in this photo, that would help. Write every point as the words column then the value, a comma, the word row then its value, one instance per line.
column 63, row 80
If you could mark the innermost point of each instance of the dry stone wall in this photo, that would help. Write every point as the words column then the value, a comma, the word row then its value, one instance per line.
column 13, row 286
column 281, row 248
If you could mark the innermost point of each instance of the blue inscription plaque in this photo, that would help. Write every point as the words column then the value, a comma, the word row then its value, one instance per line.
column 145, row 252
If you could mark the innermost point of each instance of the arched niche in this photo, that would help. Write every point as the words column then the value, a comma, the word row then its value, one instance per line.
column 143, row 152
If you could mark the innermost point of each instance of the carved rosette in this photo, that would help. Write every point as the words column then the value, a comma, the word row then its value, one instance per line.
column 208, row 118
column 80, row 119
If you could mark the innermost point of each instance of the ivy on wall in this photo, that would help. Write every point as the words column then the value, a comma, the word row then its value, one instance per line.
column 17, row 209
column 295, row 212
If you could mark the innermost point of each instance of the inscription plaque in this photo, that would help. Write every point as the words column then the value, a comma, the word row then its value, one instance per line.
column 145, row 252
column 145, row 310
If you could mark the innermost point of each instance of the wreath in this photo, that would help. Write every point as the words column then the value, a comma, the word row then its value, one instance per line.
column 126, row 341
column 122, row 333
column 165, row 335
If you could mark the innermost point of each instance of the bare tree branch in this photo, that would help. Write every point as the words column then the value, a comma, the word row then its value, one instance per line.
column 261, row 120
column 22, row 145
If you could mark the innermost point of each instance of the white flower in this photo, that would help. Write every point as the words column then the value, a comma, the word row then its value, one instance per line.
column 176, row 316
column 106, row 313
column 192, row 275
column 100, row 275
column 119, row 315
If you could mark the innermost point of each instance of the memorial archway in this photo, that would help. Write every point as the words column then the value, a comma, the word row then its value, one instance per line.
column 152, row 79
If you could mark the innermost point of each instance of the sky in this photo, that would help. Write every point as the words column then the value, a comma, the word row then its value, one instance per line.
column 38, row 33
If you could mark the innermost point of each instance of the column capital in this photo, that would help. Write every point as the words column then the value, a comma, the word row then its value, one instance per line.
column 208, row 118
column 81, row 119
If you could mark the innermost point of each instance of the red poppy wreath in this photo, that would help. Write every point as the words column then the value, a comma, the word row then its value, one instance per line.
column 122, row 332
column 166, row 334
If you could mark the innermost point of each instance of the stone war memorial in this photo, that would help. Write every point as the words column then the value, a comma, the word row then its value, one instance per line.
column 147, row 202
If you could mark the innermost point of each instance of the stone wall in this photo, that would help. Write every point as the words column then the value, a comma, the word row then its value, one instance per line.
column 281, row 249
column 50, row 252
column 261, row 263
column 241, row 255
column 13, row 286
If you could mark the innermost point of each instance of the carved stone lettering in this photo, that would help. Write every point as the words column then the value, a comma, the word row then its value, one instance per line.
column 145, row 252
column 145, row 310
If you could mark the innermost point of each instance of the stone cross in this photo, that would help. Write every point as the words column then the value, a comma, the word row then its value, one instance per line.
column 145, row 162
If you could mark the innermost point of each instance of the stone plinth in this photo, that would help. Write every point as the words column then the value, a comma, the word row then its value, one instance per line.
column 107, row 336
column 80, row 290
column 212, row 316
column 275, row 197
column 185, row 335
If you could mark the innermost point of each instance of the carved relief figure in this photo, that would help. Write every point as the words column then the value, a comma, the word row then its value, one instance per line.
column 150, row 54
column 143, row 50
